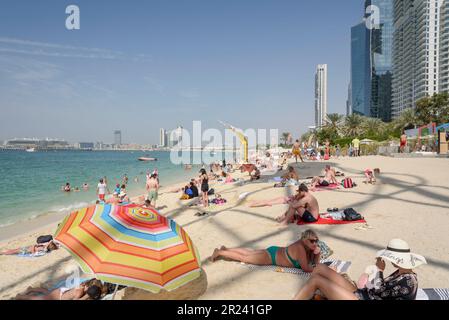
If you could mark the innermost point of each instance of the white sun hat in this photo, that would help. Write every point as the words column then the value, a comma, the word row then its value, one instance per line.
column 398, row 252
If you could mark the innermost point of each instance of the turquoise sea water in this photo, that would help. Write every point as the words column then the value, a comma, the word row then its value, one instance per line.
column 30, row 183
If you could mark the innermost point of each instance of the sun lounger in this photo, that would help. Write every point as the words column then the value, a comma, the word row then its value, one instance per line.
column 433, row 294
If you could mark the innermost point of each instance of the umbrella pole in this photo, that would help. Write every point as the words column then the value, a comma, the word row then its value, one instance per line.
column 115, row 291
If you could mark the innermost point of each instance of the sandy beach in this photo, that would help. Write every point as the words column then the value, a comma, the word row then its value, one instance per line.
column 410, row 201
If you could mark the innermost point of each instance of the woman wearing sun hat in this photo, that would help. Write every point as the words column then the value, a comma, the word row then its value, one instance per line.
column 400, row 285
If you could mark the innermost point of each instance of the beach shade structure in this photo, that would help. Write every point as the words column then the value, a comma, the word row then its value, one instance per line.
column 366, row 141
column 131, row 246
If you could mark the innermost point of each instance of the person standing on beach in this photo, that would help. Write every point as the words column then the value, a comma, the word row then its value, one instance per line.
column 101, row 189
column 125, row 179
column 152, row 188
column 403, row 142
column 297, row 151
column 204, row 181
column 356, row 144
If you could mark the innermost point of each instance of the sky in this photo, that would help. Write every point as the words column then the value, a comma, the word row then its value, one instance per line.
column 137, row 66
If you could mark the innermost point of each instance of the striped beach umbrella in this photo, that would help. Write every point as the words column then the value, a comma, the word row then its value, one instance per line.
column 130, row 245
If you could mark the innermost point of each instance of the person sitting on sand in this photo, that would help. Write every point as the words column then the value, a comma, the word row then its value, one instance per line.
column 329, row 178
column 193, row 187
column 302, row 254
column 83, row 292
column 255, row 175
column 370, row 175
column 34, row 249
column 228, row 177
column 290, row 175
column 304, row 206
column 400, row 285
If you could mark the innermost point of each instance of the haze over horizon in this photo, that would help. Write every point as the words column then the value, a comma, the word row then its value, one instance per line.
column 159, row 64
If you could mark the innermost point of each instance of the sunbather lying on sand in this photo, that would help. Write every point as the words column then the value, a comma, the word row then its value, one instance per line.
column 329, row 178
column 86, row 291
column 400, row 285
column 302, row 254
column 304, row 206
column 34, row 249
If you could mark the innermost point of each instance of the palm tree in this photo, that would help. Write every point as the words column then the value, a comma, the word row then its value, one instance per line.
column 285, row 136
column 373, row 126
column 353, row 125
column 406, row 119
column 334, row 121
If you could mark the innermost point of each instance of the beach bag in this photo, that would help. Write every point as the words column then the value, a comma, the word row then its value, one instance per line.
column 347, row 183
column 44, row 239
column 351, row 215
column 211, row 192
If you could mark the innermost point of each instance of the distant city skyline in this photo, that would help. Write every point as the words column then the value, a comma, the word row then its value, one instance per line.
column 138, row 68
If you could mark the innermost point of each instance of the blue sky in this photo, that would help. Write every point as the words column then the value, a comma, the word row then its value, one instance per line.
column 141, row 65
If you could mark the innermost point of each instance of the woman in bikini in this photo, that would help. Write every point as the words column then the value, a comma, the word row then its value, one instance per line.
column 303, row 254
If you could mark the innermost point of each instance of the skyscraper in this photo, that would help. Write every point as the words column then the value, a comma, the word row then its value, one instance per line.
column 416, row 52
column 320, row 95
column 162, row 138
column 371, row 60
column 360, row 69
column 444, row 47
column 117, row 137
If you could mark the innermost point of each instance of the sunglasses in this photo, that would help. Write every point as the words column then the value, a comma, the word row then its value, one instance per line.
column 313, row 241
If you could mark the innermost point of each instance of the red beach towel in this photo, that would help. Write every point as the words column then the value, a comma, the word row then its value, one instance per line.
column 330, row 221
column 332, row 186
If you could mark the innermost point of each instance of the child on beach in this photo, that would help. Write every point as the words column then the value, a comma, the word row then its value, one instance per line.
column 370, row 175
column 31, row 250
column 102, row 187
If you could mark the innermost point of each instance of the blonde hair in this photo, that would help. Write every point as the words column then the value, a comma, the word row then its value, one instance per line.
column 308, row 234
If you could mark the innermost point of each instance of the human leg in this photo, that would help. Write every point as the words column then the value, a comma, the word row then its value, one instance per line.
column 256, row 257
column 331, row 290
column 333, row 276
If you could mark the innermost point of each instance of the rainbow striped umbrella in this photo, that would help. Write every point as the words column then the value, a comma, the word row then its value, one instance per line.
column 130, row 245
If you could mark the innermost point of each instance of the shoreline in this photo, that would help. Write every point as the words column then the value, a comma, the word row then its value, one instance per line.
column 46, row 220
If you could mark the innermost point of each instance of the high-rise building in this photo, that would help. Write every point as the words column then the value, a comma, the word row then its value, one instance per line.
column 381, row 56
column 444, row 47
column 416, row 52
column 360, row 69
column 371, row 60
column 320, row 95
column 162, row 138
column 117, row 137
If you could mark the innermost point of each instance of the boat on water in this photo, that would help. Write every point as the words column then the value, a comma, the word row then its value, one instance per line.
column 30, row 150
column 147, row 159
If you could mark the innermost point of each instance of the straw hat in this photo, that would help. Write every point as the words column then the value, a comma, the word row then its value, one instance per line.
column 398, row 252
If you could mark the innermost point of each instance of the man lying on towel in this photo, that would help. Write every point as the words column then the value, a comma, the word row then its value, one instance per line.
column 304, row 206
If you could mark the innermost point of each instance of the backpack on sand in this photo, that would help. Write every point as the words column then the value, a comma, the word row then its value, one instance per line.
column 347, row 183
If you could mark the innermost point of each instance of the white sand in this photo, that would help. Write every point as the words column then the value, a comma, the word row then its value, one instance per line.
column 410, row 201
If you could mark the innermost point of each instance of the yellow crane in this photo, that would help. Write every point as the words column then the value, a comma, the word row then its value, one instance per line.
column 243, row 139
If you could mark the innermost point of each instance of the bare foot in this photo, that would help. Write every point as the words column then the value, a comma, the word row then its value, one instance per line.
column 223, row 248
column 214, row 255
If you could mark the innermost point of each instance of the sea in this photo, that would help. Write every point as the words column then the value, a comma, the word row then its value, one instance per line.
column 30, row 182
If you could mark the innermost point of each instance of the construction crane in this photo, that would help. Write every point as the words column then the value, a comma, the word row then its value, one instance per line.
column 243, row 139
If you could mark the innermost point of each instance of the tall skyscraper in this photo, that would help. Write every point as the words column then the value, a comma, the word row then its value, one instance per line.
column 444, row 47
column 162, row 138
column 416, row 52
column 360, row 69
column 117, row 137
column 371, row 60
column 320, row 95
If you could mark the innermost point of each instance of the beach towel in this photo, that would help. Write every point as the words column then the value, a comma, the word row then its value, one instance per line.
column 332, row 186
column 432, row 294
column 330, row 221
column 32, row 255
column 341, row 266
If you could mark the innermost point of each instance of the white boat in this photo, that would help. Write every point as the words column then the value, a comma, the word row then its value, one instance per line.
column 30, row 150
column 147, row 159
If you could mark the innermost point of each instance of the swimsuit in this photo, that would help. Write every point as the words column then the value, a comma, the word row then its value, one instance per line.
column 205, row 185
column 272, row 251
column 308, row 217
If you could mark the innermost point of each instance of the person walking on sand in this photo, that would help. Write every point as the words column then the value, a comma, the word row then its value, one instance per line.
column 304, row 206
column 102, row 187
column 152, row 189
column 296, row 150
